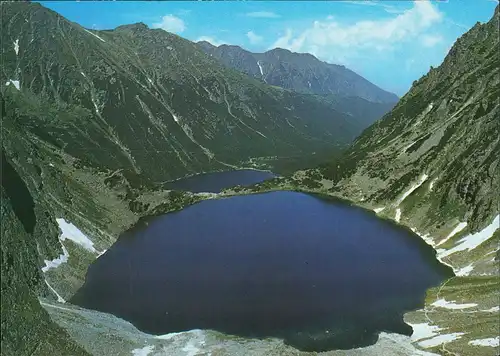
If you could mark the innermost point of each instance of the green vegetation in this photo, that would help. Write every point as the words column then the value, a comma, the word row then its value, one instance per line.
column 98, row 125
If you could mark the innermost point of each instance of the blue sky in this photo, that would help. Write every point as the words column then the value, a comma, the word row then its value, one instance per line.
column 391, row 43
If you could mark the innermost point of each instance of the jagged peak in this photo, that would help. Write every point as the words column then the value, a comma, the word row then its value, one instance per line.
column 133, row 27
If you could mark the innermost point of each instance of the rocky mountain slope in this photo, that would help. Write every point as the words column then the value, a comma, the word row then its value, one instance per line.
column 433, row 165
column 90, row 120
column 150, row 101
column 300, row 72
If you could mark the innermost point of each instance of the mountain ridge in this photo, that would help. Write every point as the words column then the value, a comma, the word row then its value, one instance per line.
column 301, row 72
column 152, row 101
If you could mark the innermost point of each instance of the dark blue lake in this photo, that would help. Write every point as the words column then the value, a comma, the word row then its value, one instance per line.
column 317, row 273
column 216, row 181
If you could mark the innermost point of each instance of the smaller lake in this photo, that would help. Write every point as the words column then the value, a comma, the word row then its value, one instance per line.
column 316, row 273
column 217, row 181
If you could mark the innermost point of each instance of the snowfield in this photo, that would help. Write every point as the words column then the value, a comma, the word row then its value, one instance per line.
column 491, row 342
column 472, row 241
column 451, row 305
column 71, row 232
column 398, row 215
column 455, row 231
column 56, row 262
column 414, row 187
column 439, row 340
column 145, row 351
column 14, row 83
column 423, row 331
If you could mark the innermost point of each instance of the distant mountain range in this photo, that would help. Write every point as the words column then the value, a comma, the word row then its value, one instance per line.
column 92, row 121
column 155, row 103
column 300, row 72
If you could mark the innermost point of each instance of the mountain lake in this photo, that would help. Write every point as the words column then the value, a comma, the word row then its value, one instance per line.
column 318, row 273
column 216, row 181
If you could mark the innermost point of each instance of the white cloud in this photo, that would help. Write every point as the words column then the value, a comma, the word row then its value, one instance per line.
column 335, row 41
column 253, row 37
column 171, row 23
column 263, row 14
column 431, row 40
column 211, row 40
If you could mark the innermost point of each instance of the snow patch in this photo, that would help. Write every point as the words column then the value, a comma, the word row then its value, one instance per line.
column 451, row 305
column 169, row 336
column 194, row 343
column 422, row 179
column 455, row 231
column 101, row 253
column 411, row 144
column 145, row 351
column 492, row 252
column 426, row 237
column 190, row 349
column 423, row 331
column 15, row 83
column 93, row 34
column 439, row 340
column 71, row 232
column 378, row 210
column 309, row 83
column 16, row 46
column 398, row 215
column 83, row 74
column 51, row 165
column 260, row 68
column 176, row 119
column 492, row 342
column 465, row 271
column 492, row 310
column 432, row 184
column 403, row 344
column 56, row 262
column 59, row 298
column 472, row 241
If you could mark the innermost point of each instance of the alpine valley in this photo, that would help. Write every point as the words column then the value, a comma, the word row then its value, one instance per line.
column 95, row 124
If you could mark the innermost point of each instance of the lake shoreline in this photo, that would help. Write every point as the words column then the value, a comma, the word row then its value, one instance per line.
column 406, row 343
